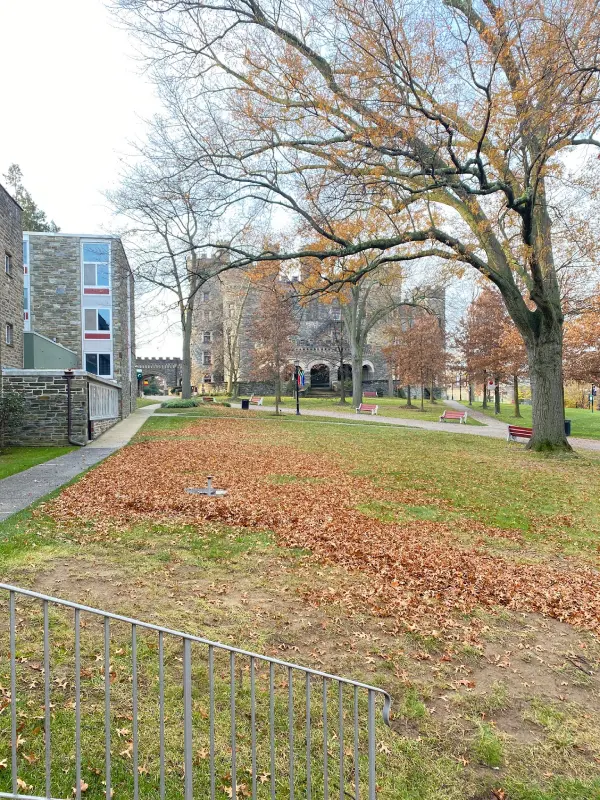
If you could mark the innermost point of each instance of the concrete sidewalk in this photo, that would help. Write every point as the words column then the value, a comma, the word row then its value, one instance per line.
column 24, row 488
column 491, row 422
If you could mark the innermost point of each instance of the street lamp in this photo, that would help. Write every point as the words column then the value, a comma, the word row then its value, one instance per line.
column 297, row 385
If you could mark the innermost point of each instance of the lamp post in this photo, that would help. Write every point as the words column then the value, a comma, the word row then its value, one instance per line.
column 297, row 385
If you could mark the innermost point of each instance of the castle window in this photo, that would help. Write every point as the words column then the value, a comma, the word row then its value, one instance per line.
column 205, row 297
column 8, row 263
column 9, row 334
column 206, row 358
column 206, row 337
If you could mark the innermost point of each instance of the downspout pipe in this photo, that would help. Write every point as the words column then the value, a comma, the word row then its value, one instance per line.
column 69, row 375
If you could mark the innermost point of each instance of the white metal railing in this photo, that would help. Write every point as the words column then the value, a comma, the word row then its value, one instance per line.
column 99, row 703
column 103, row 401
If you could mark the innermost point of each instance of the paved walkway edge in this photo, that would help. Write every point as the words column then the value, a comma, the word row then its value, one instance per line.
column 19, row 491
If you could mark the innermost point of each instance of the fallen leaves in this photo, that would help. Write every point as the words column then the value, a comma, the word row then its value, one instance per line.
column 418, row 571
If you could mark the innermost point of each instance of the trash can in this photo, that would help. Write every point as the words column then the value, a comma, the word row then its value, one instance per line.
column 567, row 427
column 245, row 405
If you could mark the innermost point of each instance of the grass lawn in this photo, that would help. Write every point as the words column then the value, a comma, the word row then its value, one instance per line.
column 583, row 423
column 16, row 459
column 459, row 574
column 141, row 402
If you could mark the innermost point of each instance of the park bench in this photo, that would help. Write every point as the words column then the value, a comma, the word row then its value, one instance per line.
column 207, row 399
column 369, row 394
column 256, row 401
column 461, row 416
column 367, row 408
column 517, row 432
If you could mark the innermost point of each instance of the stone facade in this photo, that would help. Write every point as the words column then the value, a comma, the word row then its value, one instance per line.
column 11, row 282
column 226, row 300
column 45, row 394
column 59, row 298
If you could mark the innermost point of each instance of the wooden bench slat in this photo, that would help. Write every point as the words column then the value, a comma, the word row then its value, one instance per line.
column 461, row 416
column 519, row 432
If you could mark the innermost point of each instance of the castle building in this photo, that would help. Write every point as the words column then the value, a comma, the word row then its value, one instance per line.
column 223, row 344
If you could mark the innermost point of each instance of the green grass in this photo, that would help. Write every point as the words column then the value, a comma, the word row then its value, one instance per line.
column 584, row 423
column 142, row 402
column 238, row 586
column 16, row 459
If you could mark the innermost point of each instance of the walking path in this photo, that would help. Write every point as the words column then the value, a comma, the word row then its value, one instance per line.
column 24, row 488
column 491, row 428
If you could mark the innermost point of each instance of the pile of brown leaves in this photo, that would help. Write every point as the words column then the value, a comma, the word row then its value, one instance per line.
column 418, row 572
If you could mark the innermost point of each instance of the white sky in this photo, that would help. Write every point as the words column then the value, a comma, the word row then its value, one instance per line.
column 73, row 97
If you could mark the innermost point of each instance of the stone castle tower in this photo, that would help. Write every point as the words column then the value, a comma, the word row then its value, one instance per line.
column 222, row 342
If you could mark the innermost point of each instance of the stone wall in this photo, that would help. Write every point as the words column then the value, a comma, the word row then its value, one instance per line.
column 45, row 395
column 55, row 270
column 11, row 286
column 124, row 370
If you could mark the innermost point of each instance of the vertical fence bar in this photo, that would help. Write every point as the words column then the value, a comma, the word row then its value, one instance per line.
column 356, row 761
column 341, row 737
column 291, row 729
column 371, row 727
column 253, row 724
column 308, row 742
column 77, row 706
column 134, row 710
column 325, row 744
column 233, row 731
column 161, row 711
column 187, row 718
column 47, row 737
column 211, row 723
column 272, row 725
column 13, row 692
column 107, row 707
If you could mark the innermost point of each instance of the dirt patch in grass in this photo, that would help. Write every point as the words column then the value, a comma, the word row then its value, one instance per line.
column 420, row 574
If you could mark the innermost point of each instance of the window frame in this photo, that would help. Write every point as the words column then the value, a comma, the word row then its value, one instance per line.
column 97, row 354
column 104, row 288
column 9, row 334
column 206, row 340
column 8, row 264
column 97, row 329
column 206, row 358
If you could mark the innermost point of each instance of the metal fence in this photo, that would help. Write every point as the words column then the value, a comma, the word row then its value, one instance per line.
column 99, row 704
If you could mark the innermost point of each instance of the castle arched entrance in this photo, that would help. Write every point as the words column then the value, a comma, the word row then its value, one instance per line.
column 320, row 377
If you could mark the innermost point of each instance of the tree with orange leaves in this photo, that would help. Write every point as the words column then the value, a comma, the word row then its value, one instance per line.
column 273, row 325
column 453, row 118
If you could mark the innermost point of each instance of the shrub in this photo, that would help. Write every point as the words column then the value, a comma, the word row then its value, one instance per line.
column 12, row 410
column 191, row 403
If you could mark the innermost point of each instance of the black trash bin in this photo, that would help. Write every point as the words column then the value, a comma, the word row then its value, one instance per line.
column 567, row 427
column 245, row 405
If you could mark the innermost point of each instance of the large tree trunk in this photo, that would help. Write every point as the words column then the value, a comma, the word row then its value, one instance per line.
column 516, row 395
column 544, row 354
column 357, row 359
column 186, row 361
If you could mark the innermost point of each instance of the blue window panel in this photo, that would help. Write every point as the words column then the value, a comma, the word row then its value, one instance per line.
column 102, row 275
column 91, row 363
column 103, row 319
column 97, row 252
column 25, row 252
column 103, row 364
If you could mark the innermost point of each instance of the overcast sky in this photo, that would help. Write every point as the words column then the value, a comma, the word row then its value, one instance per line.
column 73, row 97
